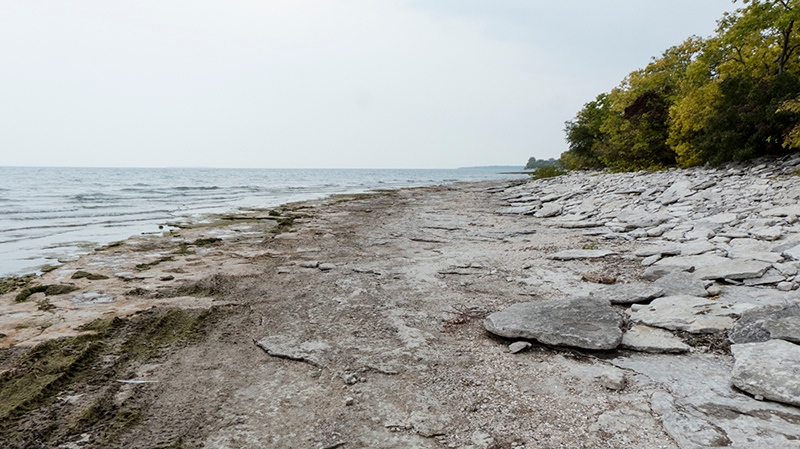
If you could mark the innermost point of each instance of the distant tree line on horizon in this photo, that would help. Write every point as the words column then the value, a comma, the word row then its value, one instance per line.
column 534, row 163
column 733, row 96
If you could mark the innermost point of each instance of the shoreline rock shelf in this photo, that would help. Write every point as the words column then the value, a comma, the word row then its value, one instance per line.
column 655, row 299
column 723, row 251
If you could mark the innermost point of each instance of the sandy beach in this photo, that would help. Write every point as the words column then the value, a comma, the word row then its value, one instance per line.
column 358, row 322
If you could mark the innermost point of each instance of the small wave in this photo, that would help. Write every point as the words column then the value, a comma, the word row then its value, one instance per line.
column 35, row 212
column 138, row 189
column 93, row 197
column 59, row 221
column 190, row 188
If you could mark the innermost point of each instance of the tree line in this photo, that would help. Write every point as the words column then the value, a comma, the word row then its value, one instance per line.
column 732, row 96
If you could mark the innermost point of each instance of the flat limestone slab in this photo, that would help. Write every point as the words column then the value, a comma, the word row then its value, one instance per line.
column 628, row 293
column 651, row 339
column 770, row 369
column 581, row 322
column 793, row 253
column 681, row 283
column 575, row 254
column 774, row 322
column 687, row 313
column 733, row 269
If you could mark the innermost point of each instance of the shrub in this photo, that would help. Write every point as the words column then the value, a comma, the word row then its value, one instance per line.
column 550, row 171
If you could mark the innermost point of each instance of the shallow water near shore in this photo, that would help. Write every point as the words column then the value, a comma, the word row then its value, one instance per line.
column 50, row 214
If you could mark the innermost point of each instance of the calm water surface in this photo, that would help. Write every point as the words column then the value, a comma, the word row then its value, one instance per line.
column 49, row 215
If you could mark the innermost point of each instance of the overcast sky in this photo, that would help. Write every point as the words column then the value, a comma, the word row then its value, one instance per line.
column 316, row 84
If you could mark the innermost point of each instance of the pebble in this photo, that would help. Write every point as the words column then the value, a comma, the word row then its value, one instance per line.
column 518, row 346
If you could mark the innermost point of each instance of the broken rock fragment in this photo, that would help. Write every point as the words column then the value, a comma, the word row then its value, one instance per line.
column 580, row 322
column 687, row 313
column 770, row 369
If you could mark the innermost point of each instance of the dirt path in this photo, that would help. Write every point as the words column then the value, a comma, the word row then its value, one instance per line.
column 379, row 346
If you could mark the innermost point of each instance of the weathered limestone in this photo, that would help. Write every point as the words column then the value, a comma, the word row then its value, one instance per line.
column 783, row 211
column 650, row 339
column 793, row 253
column 628, row 293
column 770, row 369
column 756, row 325
column 663, row 250
column 549, row 210
column 518, row 346
column 732, row 234
column 641, row 219
column 681, row 283
column 698, row 406
column 580, row 322
column 734, row 269
column 686, row 313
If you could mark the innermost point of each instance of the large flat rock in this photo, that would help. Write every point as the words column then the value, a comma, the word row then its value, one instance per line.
column 681, row 283
column 767, row 323
column 580, row 322
column 687, row 313
column 770, row 369
column 652, row 339
column 782, row 211
column 692, row 262
column 641, row 219
column 793, row 253
column 733, row 269
column 628, row 293
column 700, row 408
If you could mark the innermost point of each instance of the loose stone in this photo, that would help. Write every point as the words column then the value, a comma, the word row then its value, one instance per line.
column 518, row 346
column 650, row 339
column 579, row 322
column 770, row 369
column 686, row 313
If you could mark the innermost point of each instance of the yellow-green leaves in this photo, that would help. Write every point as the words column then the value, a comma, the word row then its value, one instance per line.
column 734, row 95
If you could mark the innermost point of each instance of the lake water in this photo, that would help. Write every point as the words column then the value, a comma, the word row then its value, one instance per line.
column 49, row 214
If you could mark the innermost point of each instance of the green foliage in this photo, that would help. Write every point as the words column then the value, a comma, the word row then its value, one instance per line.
column 753, row 106
column 533, row 163
column 585, row 136
column 733, row 96
column 549, row 171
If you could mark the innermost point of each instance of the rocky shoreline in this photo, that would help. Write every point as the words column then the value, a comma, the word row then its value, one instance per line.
column 652, row 310
column 722, row 251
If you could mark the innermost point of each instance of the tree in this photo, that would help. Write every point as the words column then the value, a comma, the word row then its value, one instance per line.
column 763, row 34
column 735, row 95
column 535, row 164
column 748, row 120
column 584, row 135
